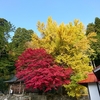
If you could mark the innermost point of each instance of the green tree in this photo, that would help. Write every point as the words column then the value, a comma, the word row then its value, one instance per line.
column 5, row 28
column 90, row 28
column 6, row 64
column 95, row 27
column 21, row 36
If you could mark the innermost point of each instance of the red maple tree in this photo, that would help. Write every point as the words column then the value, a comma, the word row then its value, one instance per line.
column 39, row 71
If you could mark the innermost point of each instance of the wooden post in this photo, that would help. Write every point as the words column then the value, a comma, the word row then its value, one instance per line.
column 20, row 87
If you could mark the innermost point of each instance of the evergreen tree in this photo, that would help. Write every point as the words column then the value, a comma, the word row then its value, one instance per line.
column 95, row 27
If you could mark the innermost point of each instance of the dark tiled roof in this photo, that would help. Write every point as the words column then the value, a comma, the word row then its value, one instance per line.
column 14, row 79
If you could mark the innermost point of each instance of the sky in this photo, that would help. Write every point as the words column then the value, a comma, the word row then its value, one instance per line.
column 26, row 13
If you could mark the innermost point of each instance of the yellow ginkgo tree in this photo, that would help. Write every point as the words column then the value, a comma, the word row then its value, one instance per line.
column 70, row 47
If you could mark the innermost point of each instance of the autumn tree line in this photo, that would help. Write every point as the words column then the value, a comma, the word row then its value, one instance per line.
column 62, row 56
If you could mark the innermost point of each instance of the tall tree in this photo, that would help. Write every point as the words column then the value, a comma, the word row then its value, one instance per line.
column 90, row 28
column 95, row 27
column 6, row 64
column 21, row 36
column 5, row 28
column 69, row 45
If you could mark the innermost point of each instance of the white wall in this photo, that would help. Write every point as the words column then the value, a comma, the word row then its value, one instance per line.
column 99, row 85
column 93, row 91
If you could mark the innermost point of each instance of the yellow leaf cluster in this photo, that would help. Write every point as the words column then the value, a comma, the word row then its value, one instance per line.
column 92, row 37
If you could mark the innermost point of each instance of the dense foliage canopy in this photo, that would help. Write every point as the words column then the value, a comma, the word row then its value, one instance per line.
column 39, row 71
column 20, row 38
column 95, row 27
column 6, row 63
column 69, row 45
